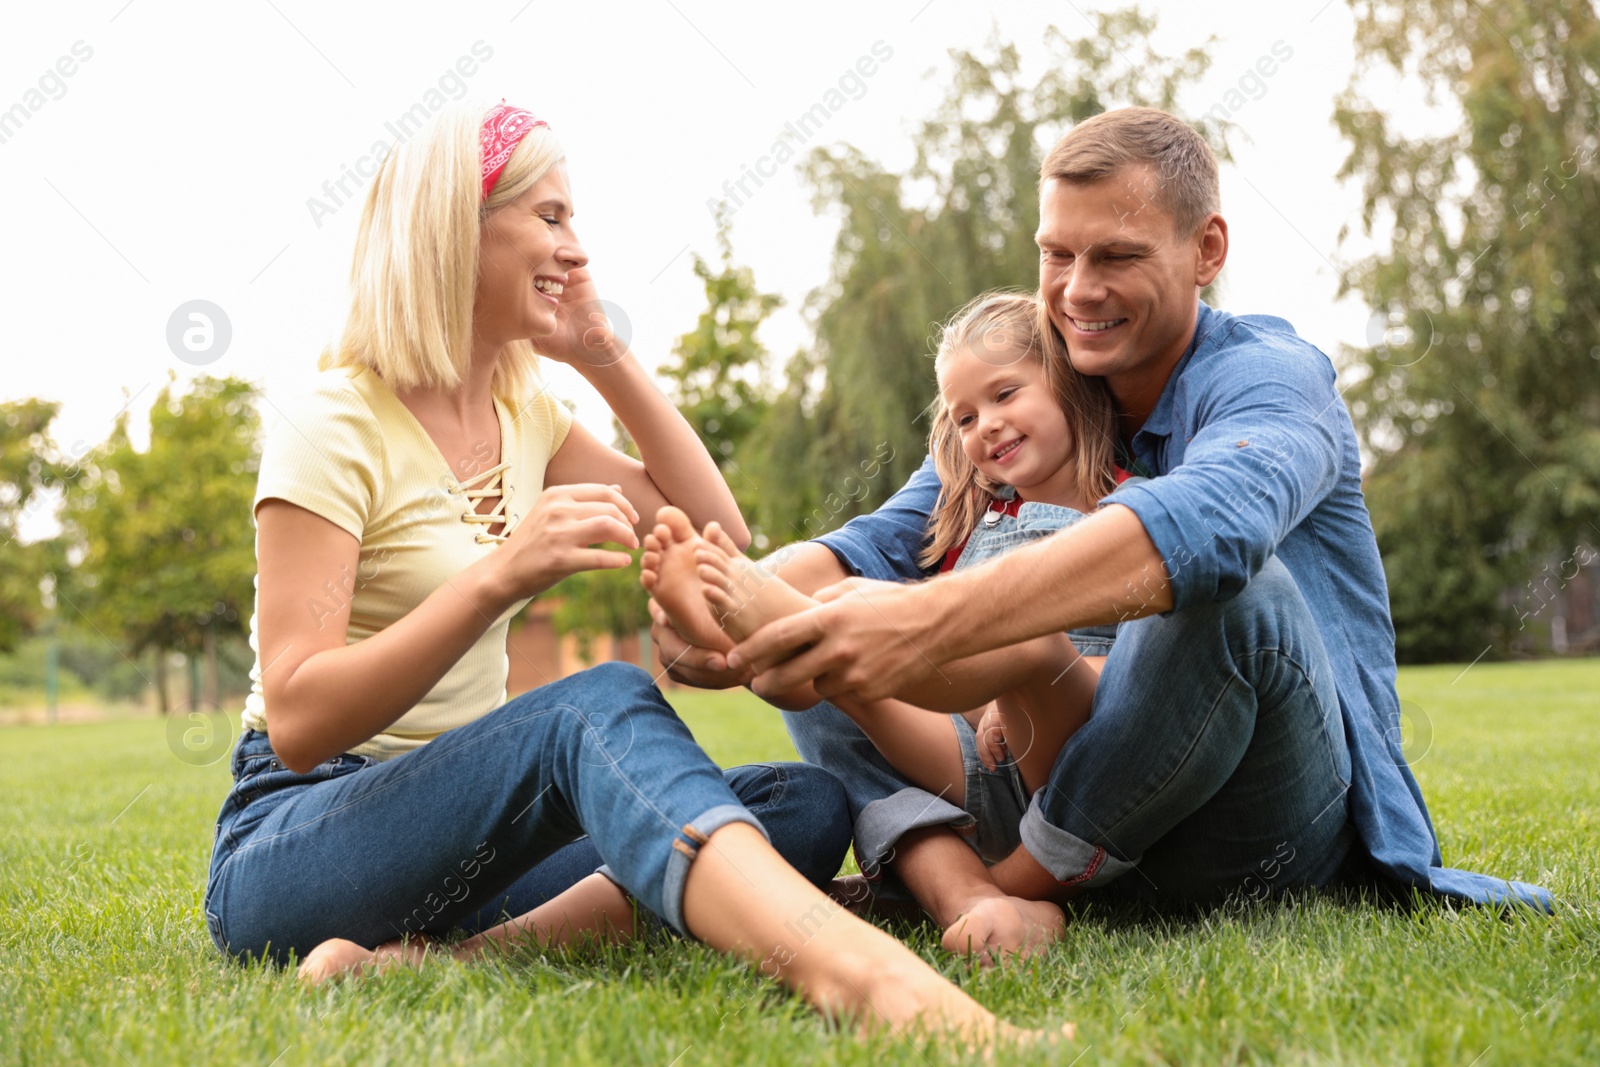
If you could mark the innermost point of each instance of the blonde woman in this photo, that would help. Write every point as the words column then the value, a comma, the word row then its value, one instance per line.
column 414, row 502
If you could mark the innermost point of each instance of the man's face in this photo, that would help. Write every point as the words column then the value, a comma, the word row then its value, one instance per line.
column 1119, row 282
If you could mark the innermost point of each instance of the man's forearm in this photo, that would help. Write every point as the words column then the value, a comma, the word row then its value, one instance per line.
column 975, row 680
column 1104, row 569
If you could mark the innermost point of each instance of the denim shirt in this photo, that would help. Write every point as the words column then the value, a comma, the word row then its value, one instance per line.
column 1252, row 453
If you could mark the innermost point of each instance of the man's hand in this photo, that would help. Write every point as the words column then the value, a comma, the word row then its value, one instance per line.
column 867, row 640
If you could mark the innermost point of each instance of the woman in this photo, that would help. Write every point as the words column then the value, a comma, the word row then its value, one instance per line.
column 406, row 510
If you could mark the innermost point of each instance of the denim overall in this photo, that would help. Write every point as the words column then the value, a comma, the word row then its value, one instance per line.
column 997, row 799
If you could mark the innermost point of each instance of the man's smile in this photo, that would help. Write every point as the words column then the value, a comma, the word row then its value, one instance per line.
column 1094, row 325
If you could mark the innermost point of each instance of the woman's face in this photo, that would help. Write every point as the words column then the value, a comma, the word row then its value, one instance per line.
column 525, row 250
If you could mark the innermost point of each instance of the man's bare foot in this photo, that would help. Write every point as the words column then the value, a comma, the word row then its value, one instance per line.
column 999, row 927
column 336, row 957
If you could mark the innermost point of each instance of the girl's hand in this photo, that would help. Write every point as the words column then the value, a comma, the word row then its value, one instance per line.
column 555, row 538
column 991, row 731
column 584, row 336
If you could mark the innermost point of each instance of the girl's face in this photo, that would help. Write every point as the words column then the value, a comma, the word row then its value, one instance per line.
column 1010, row 425
column 525, row 251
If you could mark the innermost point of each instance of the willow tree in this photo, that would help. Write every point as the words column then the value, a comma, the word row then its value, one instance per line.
column 848, row 428
column 1480, row 399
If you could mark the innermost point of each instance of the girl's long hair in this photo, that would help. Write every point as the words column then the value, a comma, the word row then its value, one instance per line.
column 1005, row 323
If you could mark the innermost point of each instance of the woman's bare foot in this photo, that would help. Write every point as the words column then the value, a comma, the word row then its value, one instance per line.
column 997, row 928
column 846, row 968
column 336, row 957
column 594, row 911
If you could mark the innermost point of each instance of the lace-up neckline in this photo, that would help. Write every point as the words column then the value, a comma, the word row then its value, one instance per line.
column 492, row 487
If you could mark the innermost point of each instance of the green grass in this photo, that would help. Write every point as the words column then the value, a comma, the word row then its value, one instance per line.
column 104, row 838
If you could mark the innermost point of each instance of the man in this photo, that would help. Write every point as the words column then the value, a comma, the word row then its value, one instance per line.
column 1245, row 727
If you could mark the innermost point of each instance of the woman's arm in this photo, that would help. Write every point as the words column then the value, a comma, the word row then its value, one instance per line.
column 324, row 697
column 676, row 467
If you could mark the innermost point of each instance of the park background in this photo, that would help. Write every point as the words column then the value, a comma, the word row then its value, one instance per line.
column 779, row 206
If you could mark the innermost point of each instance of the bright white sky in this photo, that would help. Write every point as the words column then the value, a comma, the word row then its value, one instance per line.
column 176, row 162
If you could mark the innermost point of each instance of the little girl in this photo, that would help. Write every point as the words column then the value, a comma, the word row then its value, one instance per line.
column 1023, row 446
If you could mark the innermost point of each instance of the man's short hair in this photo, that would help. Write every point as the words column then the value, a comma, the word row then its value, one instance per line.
column 1185, row 184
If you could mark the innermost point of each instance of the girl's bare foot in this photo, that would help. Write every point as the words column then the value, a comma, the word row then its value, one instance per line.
column 668, row 571
column 711, row 592
column 744, row 595
column 997, row 928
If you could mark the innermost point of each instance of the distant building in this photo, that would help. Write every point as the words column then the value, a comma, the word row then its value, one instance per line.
column 539, row 654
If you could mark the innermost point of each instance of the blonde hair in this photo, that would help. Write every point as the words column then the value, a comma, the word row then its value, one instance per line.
column 414, row 277
column 1186, row 169
column 1016, row 322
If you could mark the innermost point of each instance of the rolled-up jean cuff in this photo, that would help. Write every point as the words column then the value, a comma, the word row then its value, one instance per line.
column 883, row 822
column 1071, row 860
column 677, row 873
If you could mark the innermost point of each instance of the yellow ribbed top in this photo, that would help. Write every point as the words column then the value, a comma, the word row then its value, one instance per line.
column 350, row 452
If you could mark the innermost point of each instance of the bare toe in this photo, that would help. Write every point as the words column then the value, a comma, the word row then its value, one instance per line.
column 716, row 535
column 676, row 523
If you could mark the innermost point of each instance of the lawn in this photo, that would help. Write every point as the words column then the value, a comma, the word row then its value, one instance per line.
column 105, row 833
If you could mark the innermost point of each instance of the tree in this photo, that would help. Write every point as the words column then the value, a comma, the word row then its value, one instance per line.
column 716, row 378
column 1479, row 397
column 848, row 428
column 168, row 548
column 27, row 473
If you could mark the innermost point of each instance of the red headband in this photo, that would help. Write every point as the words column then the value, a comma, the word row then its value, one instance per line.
column 503, row 129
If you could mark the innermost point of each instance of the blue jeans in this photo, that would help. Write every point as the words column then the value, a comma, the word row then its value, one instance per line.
column 1214, row 761
column 453, row 833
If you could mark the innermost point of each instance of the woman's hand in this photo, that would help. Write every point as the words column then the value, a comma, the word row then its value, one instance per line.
column 555, row 538
column 584, row 337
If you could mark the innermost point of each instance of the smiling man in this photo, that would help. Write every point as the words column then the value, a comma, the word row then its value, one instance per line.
column 1245, row 731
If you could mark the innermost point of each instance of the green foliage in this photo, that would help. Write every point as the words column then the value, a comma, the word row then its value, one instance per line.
column 591, row 603
column 1481, row 394
column 29, row 468
column 167, row 543
column 717, row 368
column 911, row 250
